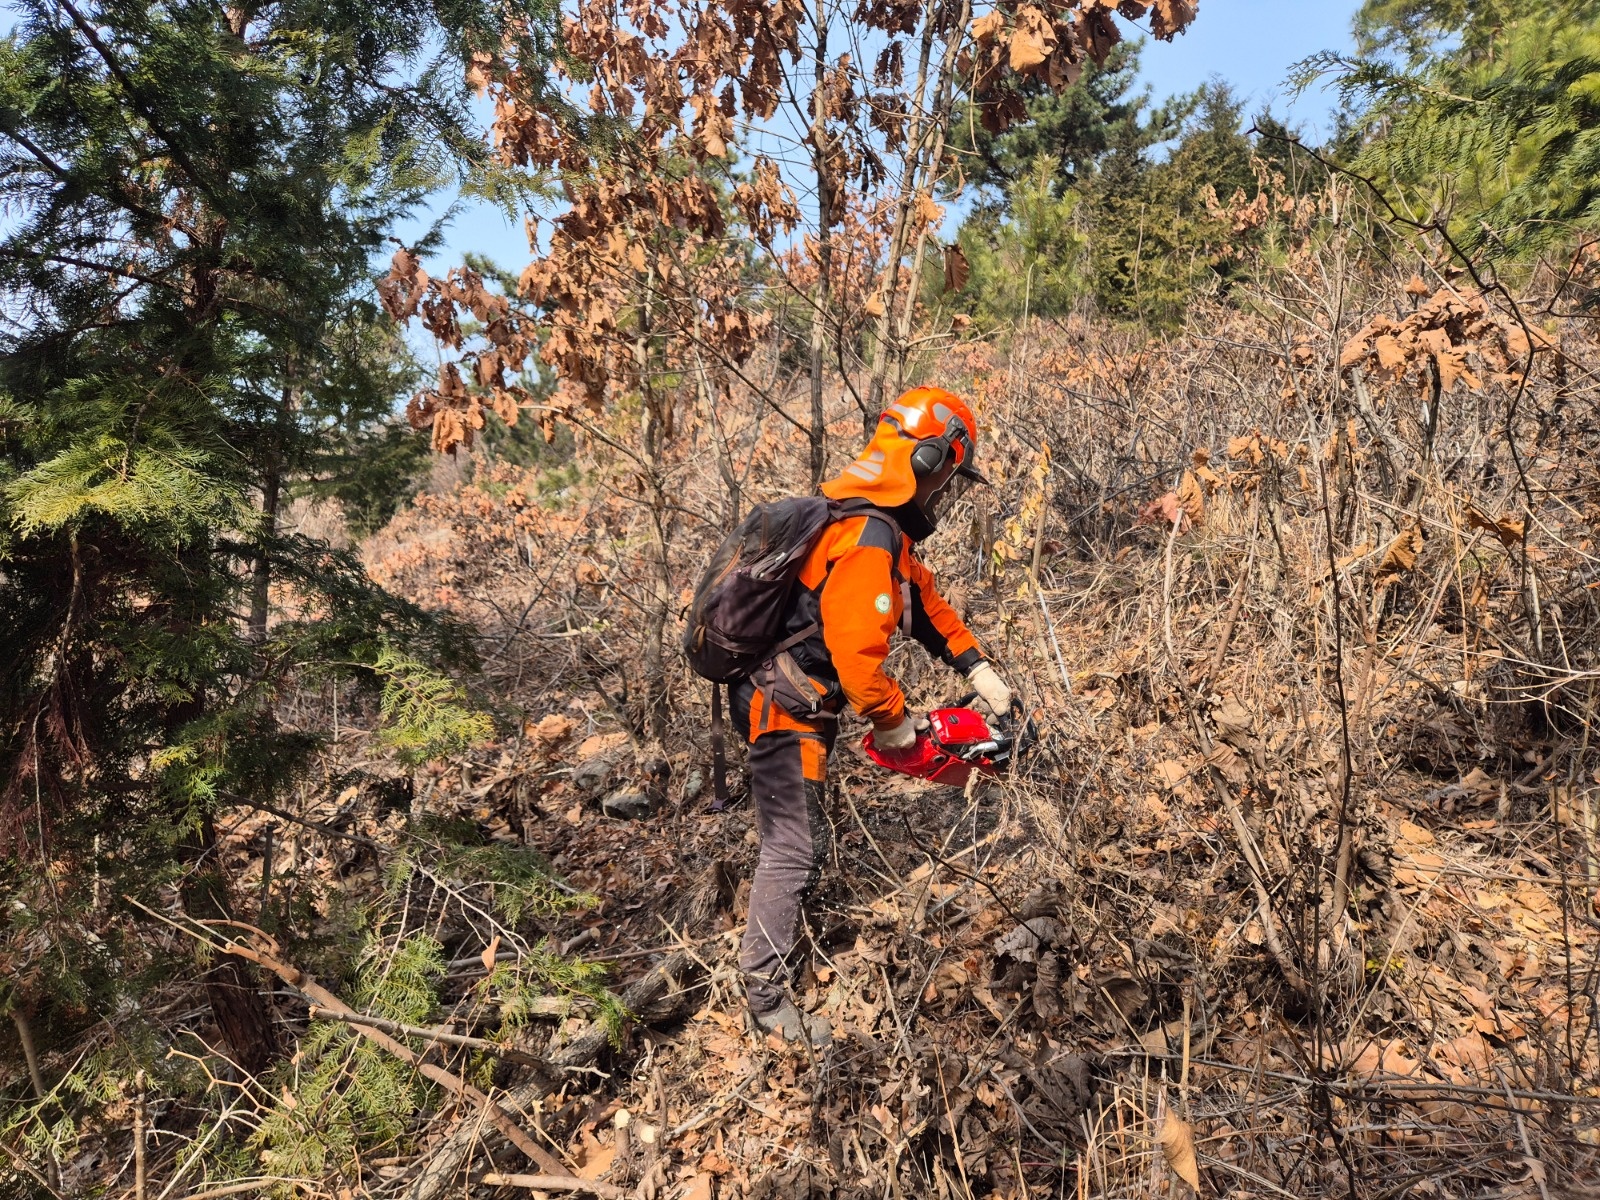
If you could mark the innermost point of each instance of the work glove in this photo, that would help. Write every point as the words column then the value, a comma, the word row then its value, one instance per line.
column 902, row 736
column 991, row 689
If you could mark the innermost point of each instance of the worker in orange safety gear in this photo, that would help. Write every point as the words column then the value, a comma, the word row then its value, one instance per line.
column 861, row 582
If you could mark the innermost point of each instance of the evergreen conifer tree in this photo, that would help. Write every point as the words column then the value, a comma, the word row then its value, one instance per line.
column 195, row 196
column 1482, row 115
column 1074, row 128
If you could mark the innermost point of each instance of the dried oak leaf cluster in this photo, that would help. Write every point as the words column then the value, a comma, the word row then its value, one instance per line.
column 639, row 276
column 1251, row 454
column 454, row 411
column 1447, row 332
column 1050, row 41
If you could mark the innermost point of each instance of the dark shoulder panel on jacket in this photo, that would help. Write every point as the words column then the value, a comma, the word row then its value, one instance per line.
column 878, row 533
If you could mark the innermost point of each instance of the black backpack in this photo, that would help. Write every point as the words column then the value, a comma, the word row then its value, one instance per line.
column 739, row 607
column 737, row 615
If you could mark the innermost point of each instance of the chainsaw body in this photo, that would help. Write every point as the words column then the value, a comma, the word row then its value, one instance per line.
column 957, row 742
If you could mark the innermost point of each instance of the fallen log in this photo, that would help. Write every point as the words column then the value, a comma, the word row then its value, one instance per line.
column 456, row 1153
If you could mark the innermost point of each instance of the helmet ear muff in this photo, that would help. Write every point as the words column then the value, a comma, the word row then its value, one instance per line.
column 930, row 457
column 932, row 454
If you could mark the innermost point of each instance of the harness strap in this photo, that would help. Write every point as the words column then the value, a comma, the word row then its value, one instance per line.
column 719, row 752
column 793, row 640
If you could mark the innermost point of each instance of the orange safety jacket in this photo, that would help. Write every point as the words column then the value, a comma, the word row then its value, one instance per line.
column 858, row 594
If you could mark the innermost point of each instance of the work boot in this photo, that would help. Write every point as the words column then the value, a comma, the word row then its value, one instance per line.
column 792, row 1025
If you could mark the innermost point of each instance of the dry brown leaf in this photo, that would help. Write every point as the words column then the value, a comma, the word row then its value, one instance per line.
column 1227, row 760
column 956, row 269
column 699, row 1188
column 1400, row 555
column 1163, row 510
column 1388, row 1059
column 1354, row 351
column 873, row 307
column 600, row 743
column 1032, row 40
column 1420, row 869
column 1232, row 717
column 1392, row 355
column 1177, row 1142
column 1246, row 449
column 1157, row 1040
column 1029, row 940
column 1468, row 1055
column 550, row 729
column 1047, row 988
column 988, row 27
column 1170, row 18
column 1192, row 499
column 1357, row 553
column 595, row 1158
column 1126, row 997
column 1453, row 369
column 1171, row 773
column 1415, row 835
column 489, row 951
column 1508, row 529
column 1098, row 32
column 1415, row 287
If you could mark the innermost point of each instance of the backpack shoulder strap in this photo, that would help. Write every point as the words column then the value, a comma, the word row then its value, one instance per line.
column 857, row 506
column 896, row 540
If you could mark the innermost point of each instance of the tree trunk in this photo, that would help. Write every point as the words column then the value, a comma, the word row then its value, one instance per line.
column 819, row 314
column 725, row 467
column 30, row 1055
column 261, row 575
column 930, row 180
column 656, row 418
column 232, row 988
column 902, row 217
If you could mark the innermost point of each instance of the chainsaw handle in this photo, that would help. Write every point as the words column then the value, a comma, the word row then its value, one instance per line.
column 1015, row 713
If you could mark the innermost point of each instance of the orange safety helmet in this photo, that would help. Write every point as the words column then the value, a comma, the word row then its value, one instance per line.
column 917, row 436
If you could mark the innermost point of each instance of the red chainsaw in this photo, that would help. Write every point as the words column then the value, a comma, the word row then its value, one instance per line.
column 957, row 742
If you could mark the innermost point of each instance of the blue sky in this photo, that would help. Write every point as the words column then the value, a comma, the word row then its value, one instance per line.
column 1251, row 44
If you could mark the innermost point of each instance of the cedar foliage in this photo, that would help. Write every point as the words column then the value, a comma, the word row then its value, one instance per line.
column 1489, row 126
column 194, row 198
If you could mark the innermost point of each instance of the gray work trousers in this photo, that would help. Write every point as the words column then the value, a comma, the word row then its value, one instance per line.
column 788, row 781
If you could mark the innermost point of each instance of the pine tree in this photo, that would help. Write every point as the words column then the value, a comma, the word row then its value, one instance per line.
column 1029, row 260
column 1074, row 128
column 1154, row 242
